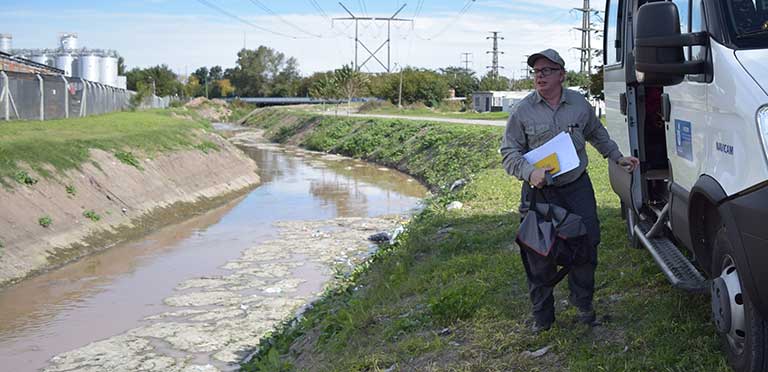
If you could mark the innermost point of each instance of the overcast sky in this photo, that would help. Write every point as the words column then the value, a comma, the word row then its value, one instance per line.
column 187, row 34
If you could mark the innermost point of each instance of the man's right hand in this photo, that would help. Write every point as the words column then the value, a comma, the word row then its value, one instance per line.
column 538, row 177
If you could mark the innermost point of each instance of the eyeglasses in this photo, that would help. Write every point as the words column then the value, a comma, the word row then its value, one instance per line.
column 546, row 71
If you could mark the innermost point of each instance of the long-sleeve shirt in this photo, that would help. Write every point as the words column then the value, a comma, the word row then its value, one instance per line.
column 533, row 122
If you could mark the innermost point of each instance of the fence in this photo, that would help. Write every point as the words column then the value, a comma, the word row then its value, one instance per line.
column 25, row 96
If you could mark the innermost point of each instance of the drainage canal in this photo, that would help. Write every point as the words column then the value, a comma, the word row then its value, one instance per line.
column 198, row 295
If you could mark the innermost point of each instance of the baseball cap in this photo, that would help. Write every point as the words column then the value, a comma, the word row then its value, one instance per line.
column 549, row 54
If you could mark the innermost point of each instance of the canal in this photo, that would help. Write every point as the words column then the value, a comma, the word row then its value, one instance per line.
column 197, row 296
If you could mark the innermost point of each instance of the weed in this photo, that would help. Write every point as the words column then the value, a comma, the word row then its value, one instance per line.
column 128, row 158
column 24, row 178
column 71, row 191
column 45, row 221
column 91, row 215
column 207, row 146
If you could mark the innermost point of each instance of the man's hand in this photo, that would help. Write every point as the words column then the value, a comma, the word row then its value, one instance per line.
column 538, row 177
column 629, row 163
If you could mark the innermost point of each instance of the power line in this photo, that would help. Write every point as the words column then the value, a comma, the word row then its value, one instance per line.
column 230, row 15
column 318, row 8
column 461, row 12
column 266, row 9
column 419, row 5
column 361, row 4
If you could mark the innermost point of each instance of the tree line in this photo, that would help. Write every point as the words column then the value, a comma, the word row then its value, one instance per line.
column 265, row 72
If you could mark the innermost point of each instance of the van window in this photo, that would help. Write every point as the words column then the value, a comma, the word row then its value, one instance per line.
column 613, row 35
column 682, row 9
column 697, row 24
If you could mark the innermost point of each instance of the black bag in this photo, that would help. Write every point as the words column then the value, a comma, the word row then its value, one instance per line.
column 550, row 231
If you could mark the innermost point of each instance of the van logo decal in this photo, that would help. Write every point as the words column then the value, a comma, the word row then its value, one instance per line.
column 724, row 148
column 684, row 139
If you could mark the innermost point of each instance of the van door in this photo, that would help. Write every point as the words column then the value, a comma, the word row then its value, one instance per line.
column 619, row 98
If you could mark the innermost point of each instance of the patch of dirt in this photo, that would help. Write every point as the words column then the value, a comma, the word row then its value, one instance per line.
column 121, row 195
column 214, row 110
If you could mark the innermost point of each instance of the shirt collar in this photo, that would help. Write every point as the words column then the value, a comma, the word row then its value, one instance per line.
column 563, row 97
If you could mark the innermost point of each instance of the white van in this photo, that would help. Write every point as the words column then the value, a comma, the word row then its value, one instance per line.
column 686, row 85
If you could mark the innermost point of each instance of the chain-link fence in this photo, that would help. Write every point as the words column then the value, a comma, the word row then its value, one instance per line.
column 26, row 96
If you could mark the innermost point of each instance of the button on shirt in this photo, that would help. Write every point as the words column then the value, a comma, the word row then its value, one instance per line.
column 533, row 122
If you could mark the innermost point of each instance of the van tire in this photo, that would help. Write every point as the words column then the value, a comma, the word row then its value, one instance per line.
column 752, row 356
column 630, row 219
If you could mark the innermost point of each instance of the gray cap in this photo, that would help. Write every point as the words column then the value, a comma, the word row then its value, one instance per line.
column 549, row 54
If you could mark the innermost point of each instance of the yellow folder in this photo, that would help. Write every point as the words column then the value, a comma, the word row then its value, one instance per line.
column 549, row 161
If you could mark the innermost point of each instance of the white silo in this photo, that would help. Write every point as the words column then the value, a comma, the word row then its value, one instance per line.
column 88, row 66
column 42, row 58
column 68, row 41
column 6, row 43
column 108, row 70
column 66, row 62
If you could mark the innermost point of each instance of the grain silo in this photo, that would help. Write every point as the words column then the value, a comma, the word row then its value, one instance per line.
column 42, row 57
column 6, row 43
column 108, row 70
column 88, row 66
column 68, row 41
column 66, row 62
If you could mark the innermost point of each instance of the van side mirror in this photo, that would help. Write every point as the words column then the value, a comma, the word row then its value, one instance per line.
column 659, row 57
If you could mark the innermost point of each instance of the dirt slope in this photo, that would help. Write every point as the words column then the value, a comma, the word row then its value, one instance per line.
column 125, row 198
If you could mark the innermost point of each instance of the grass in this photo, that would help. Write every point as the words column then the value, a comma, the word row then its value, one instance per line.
column 61, row 145
column 426, row 112
column 451, row 293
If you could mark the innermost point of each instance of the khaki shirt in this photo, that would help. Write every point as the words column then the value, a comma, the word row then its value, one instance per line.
column 533, row 122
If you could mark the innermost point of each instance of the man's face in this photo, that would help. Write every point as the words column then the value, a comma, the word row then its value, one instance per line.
column 547, row 84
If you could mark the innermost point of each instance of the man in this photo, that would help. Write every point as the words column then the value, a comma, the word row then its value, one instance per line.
column 535, row 120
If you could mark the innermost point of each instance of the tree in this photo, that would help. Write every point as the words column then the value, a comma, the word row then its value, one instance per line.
column 595, row 87
column 325, row 87
column 225, row 88
column 493, row 82
column 121, row 67
column 192, row 88
column 264, row 72
column 462, row 80
column 576, row 79
column 350, row 82
column 160, row 79
column 216, row 73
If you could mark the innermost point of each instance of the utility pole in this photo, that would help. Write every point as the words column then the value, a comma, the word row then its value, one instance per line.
column 388, row 42
column 495, row 52
column 586, row 37
column 526, row 71
column 466, row 60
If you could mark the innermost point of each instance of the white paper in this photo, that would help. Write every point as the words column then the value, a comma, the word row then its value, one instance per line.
column 562, row 145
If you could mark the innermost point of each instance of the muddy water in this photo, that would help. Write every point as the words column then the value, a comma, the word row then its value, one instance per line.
column 196, row 296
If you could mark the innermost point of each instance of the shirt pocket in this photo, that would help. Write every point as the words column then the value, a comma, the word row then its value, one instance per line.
column 538, row 133
column 579, row 142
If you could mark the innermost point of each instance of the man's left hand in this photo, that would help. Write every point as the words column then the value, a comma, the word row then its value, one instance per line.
column 629, row 163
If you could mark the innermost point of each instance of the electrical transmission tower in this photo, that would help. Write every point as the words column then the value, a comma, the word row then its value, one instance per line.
column 387, row 43
column 586, row 37
column 495, row 52
column 466, row 60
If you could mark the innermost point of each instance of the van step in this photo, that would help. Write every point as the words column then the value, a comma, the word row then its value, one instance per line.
column 678, row 269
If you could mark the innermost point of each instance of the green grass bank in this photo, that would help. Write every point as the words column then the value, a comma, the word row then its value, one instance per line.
column 65, row 144
column 450, row 294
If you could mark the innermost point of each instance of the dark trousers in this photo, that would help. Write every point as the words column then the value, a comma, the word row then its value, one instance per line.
column 577, row 197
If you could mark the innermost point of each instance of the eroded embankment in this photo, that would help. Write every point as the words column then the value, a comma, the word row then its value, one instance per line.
column 79, row 211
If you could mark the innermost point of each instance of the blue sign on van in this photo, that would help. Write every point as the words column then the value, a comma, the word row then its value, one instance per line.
column 683, row 139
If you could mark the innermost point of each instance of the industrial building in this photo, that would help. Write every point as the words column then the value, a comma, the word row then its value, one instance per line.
column 95, row 65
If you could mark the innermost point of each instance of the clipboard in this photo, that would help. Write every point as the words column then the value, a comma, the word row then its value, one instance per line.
column 561, row 146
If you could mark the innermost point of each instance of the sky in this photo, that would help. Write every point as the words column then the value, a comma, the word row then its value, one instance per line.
column 187, row 34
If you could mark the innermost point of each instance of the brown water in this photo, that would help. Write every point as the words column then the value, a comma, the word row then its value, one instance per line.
column 108, row 293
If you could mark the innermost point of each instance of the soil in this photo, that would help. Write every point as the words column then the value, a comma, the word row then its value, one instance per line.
column 127, row 201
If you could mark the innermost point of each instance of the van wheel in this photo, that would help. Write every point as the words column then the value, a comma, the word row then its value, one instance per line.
column 630, row 220
column 743, row 330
